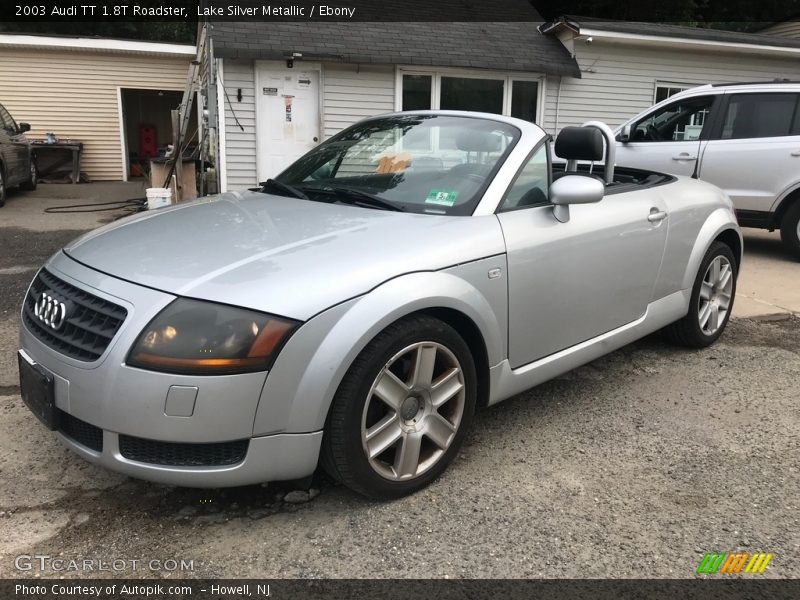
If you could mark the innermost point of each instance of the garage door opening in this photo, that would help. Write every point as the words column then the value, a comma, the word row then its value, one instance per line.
column 147, row 127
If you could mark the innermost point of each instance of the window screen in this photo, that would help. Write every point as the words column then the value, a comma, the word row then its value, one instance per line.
column 665, row 91
column 466, row 93
column 523, row 100
column 417, row 92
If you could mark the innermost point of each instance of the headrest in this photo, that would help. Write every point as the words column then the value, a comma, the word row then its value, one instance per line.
column 478, row 141
column 579, row 143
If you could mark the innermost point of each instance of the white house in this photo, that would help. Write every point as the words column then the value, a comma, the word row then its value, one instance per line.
column 281, row 88
column 626, row 67
column 277, row 89
column 113, row 96
column 789, row 28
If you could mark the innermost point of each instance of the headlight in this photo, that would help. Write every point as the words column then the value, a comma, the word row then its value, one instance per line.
column 202, row 338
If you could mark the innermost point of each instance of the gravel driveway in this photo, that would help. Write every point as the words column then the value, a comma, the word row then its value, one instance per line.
column 632, row 466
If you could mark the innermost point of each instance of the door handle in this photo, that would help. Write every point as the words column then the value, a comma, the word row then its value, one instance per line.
column 684, row 156
column 796, row 153
column 656, row 216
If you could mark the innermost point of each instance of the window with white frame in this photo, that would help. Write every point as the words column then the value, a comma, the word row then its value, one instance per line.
column 509, row 95
column 691, row 129
column 665, row 90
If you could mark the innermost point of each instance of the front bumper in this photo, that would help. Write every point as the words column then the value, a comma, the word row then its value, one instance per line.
column 268, row 458
column 116, row 402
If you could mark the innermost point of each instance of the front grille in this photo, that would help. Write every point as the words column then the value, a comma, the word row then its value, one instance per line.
column 81, row 431
column 182, row 455
column 90, row 325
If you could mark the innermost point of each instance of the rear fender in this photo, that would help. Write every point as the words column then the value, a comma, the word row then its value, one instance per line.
column 718, row 221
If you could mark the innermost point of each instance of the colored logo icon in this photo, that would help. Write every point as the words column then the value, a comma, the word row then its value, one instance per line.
column 734, row 562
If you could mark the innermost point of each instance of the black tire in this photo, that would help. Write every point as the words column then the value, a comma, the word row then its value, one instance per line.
column 3, row 190
column 343, row 456
column 30, row 185
column 790, row 236
column 688, row 331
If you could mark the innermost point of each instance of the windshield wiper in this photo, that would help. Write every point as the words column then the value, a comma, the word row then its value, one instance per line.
column 361, row 197
column 285, row 187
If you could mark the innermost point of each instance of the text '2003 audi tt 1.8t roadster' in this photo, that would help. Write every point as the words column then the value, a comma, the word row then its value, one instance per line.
column 357, row 309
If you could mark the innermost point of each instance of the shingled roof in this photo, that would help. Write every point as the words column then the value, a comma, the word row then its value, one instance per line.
column 511, row 46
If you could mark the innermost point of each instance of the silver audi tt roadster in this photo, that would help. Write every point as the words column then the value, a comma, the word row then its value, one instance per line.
column 355, row 311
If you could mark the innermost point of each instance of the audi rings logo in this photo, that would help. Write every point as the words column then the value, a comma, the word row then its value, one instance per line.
column 50, row 311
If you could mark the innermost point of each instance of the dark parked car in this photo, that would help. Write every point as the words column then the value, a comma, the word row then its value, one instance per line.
column 17, row 165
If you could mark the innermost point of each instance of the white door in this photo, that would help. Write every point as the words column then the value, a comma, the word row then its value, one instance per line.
column 288, row 115
column 668, row 139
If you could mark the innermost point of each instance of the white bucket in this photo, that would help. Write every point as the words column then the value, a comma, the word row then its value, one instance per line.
column 158, row 197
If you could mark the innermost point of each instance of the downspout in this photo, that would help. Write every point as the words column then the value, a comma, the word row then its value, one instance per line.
column 558, row 101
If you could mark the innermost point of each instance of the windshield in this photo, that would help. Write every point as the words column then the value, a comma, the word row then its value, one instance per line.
column 432, row 164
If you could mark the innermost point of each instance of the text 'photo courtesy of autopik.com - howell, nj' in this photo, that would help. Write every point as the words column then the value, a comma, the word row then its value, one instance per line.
column 406, row 300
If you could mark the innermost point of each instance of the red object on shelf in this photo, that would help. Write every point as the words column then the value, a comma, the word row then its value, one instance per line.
column 148, row 143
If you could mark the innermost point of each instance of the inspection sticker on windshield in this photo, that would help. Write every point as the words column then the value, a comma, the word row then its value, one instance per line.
column 443, row 197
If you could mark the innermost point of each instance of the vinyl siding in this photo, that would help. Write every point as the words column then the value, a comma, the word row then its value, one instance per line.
column 352, row 92
column 240, row 146
column 551, row 107
column 620, row 80
column 349, row 93
column 74, row 95
column 790, row 29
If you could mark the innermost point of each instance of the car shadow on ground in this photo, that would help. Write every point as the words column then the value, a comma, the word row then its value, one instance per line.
column 764, row 244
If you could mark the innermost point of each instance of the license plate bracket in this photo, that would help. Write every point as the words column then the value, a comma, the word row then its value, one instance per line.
column 37, row 388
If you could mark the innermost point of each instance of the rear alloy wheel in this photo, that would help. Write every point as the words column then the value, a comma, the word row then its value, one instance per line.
column 401, row 411
column 790, row 229
column 2, row 187
column 33, row 178
column 711, row 302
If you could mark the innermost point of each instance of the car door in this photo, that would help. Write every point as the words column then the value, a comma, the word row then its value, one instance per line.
column 755, row 154
column 570, row 282
column 670, row 138
column 16, row 149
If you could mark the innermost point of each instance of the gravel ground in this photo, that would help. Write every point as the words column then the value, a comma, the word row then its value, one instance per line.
column 632, row 466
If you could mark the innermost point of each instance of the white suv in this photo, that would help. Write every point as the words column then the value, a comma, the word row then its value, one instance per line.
column 742, row 137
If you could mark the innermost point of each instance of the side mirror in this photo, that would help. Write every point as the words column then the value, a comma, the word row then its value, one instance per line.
column 23, row 127
column 624, row 135
column 574, row 189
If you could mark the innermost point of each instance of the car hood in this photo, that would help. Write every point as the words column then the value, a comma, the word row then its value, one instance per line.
column 280, row 255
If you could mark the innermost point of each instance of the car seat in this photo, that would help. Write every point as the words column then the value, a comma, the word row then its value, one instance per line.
column 578, row 143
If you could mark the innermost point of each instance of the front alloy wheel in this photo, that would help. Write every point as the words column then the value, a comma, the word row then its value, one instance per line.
column 413, row 411
column 401, row 411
